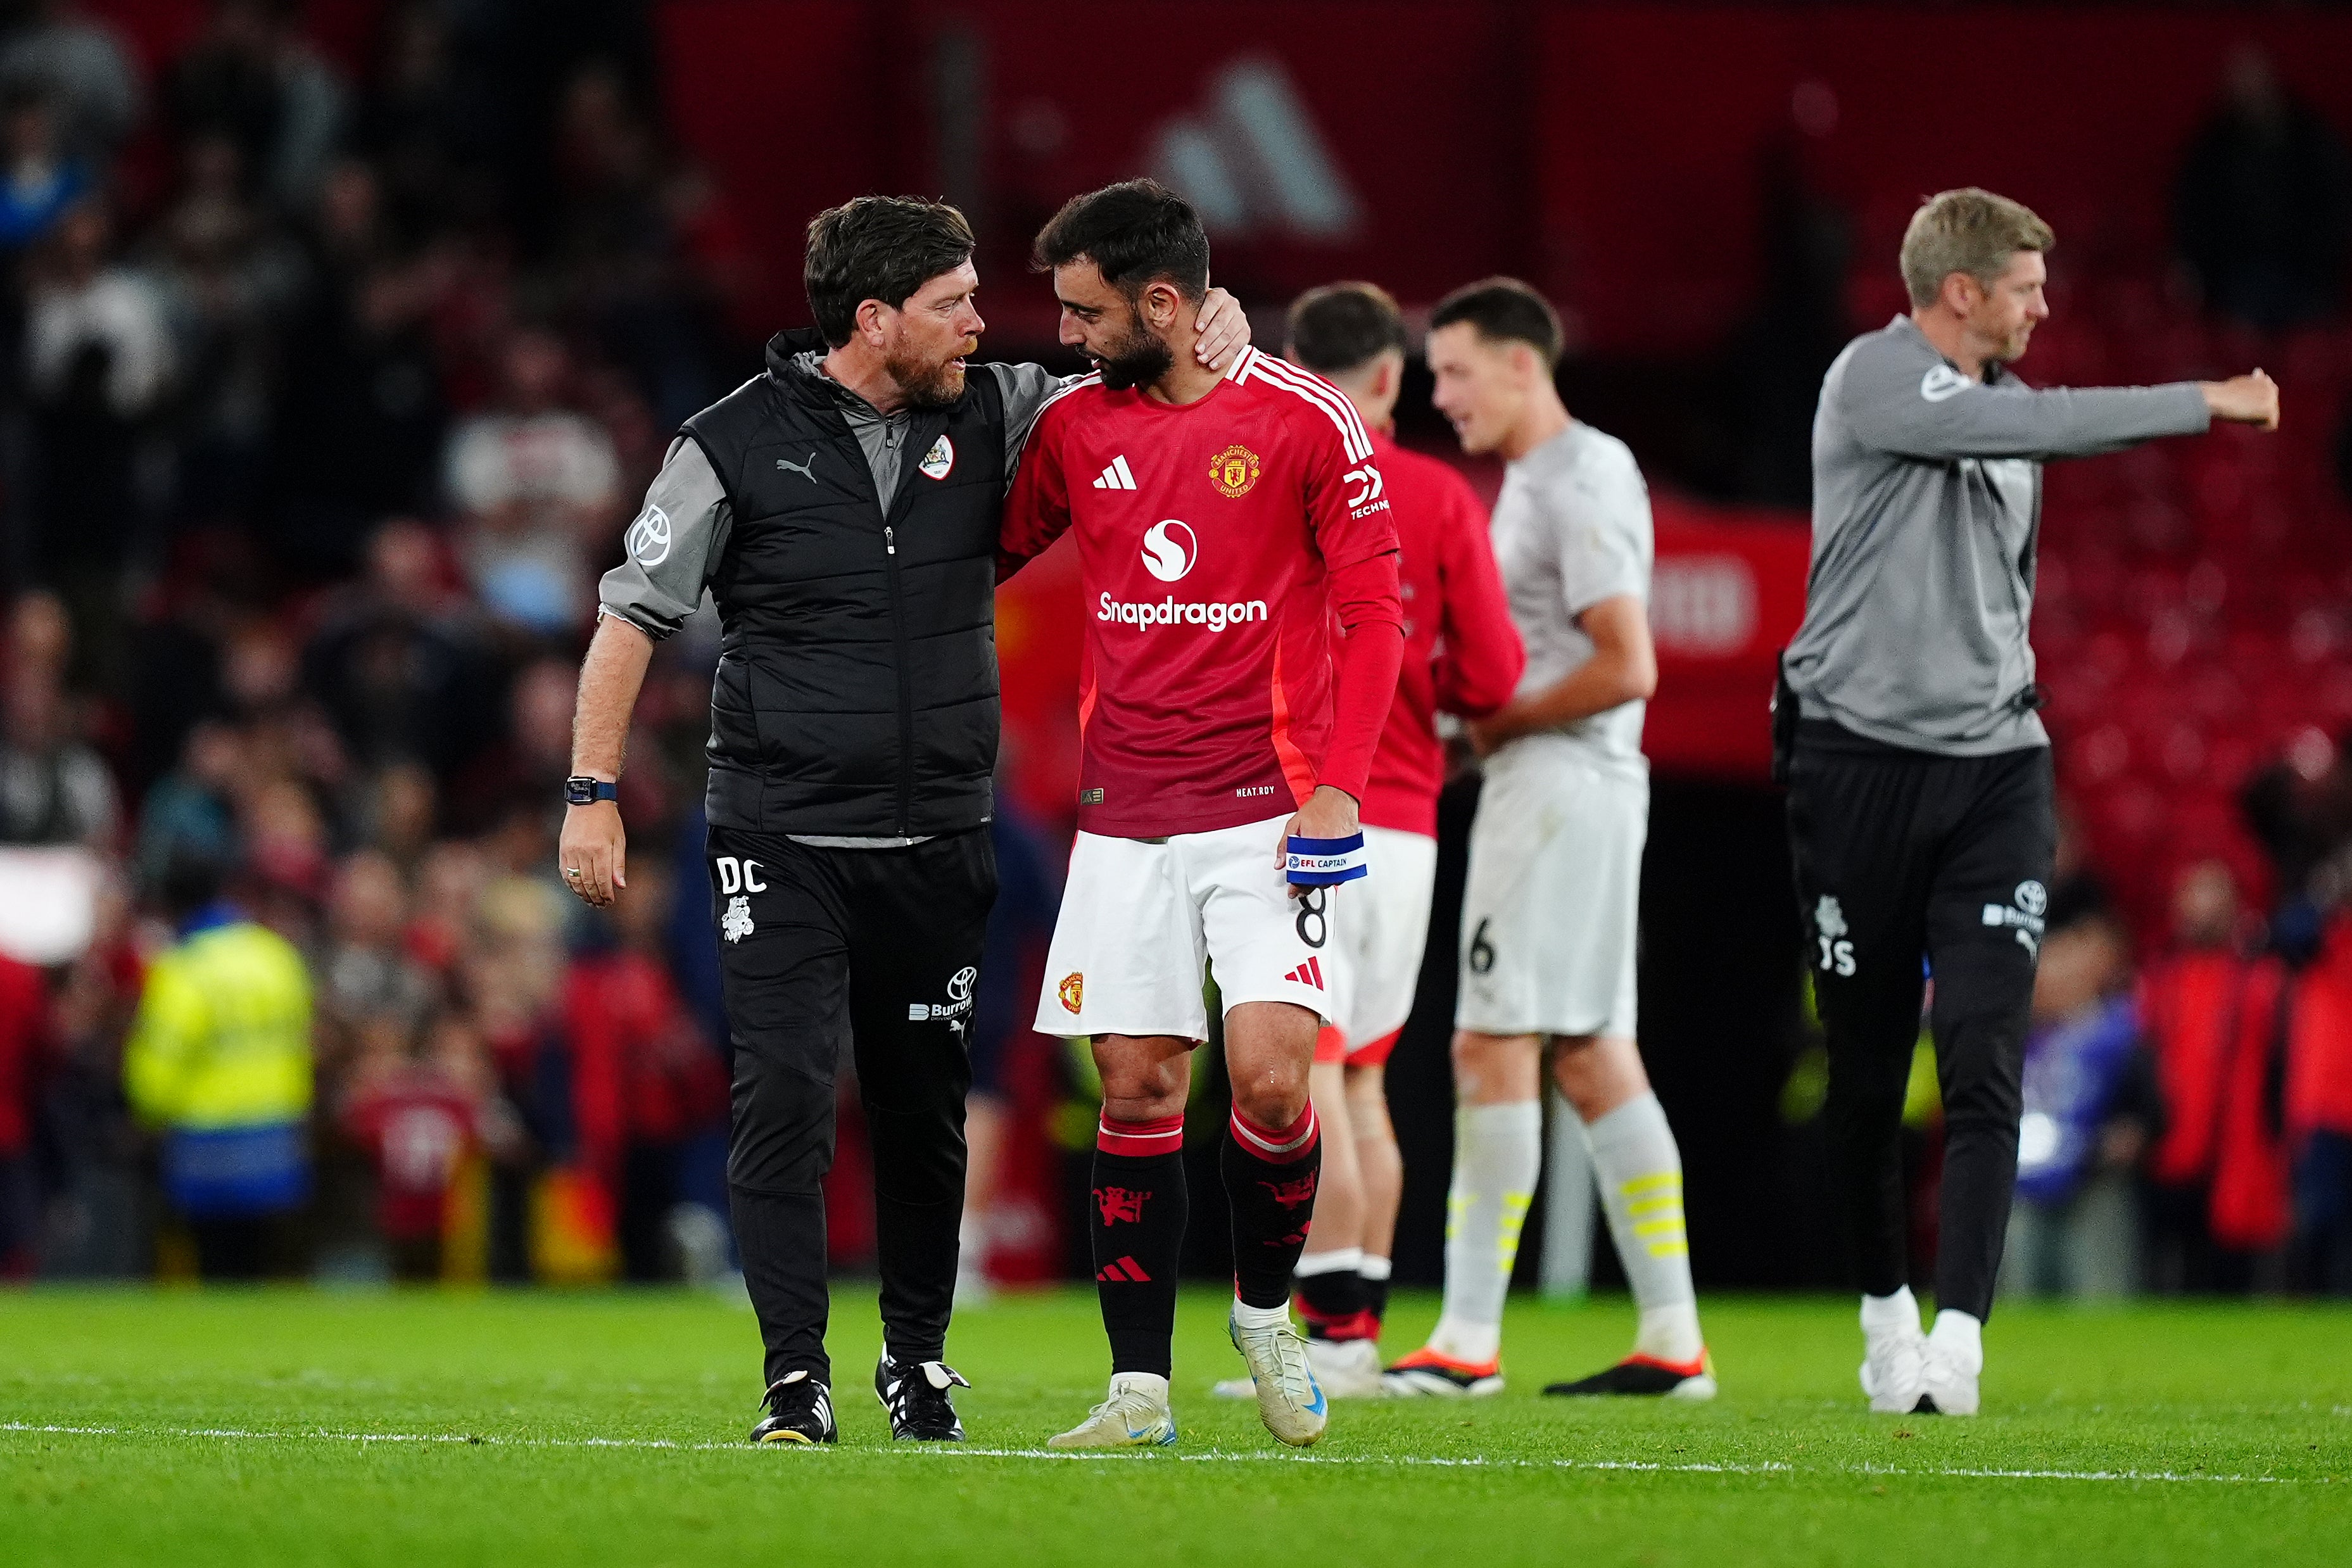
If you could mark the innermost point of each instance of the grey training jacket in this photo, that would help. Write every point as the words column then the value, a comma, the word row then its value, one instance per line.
column 1927, row 510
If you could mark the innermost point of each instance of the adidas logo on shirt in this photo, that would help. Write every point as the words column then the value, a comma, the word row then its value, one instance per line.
column 1309, row 973
column 1118, row 476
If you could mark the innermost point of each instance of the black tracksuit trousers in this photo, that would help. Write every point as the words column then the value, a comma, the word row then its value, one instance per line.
column 1903, row 857
column 880, row 948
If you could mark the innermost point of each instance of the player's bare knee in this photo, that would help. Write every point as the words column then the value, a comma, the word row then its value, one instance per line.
column 1140, row 1082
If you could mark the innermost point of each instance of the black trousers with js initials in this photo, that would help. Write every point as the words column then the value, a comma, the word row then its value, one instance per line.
column 1905, row 861
column 878, row 950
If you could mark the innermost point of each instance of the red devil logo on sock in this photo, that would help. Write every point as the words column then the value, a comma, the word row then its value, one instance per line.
column 1291, row 1193
column 1121, row 1204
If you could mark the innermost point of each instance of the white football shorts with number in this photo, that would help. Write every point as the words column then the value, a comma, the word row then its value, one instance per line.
column 1140, row 918
column 1382, row 930
column 1552, row 905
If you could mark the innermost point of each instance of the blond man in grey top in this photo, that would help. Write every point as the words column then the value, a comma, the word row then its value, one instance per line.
column 1919, row 776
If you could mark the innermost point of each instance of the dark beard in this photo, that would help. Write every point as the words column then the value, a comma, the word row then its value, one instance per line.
column 1140, row 360
column 926, row 384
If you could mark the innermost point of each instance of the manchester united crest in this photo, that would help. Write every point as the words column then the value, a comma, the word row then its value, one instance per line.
column 1073, row 992
column 1234, row 470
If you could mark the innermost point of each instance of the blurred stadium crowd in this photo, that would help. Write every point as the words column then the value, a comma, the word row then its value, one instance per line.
column 326, row 392
column 323, row 400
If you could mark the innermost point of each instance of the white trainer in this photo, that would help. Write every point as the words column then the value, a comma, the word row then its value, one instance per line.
column 1289, row 1401
column 1948, row 1384
column 1136, row 1415
column 1893, row 1370
column 1347, row 1369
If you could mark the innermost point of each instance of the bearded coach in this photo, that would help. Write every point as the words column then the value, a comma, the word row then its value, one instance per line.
column 1920, row 777
column 843, row 511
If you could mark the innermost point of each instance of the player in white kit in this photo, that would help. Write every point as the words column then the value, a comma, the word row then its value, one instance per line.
column 1550, row 912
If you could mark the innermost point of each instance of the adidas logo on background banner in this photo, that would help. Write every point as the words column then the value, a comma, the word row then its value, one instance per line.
column 1118, row 476
column 1309, row 973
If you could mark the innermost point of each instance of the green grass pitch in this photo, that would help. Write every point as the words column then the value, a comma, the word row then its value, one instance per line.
column 281, row 1426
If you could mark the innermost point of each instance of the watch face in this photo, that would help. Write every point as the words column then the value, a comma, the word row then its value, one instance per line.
column 580, row 792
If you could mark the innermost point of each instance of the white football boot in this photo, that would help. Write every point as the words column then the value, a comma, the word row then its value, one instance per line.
column 1136, row 1415
column 1289, row 1401
column 1346, row 1369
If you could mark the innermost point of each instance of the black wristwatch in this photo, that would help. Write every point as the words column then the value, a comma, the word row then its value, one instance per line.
column 582, row 790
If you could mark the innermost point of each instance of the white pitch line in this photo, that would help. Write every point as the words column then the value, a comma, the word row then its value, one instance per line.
column 1213, row 1456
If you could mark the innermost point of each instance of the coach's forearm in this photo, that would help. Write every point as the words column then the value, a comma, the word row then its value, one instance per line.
column 610, row 680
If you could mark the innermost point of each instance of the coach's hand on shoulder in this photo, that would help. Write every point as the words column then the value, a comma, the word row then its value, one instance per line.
column 2251, row 399
column 594, row 852
column 1224, row 329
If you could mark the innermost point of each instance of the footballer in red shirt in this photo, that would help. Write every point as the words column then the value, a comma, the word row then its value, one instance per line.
column 1243, row 634
column 1462, row 656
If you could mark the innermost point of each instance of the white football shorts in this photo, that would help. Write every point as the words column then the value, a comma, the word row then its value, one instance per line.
column 1382, row 930
column 1140, row 918
column 1552, row 909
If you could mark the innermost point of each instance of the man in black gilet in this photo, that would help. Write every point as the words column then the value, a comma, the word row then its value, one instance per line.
column 841, row 510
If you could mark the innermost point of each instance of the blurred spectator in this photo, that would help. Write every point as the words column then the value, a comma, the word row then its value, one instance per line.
column 219, row 1063
column 528, row 766
column 367, row 977
column 421, row 1116
column 97, row 361
column 78, row 63
column 2262, row 205
column 398, row 663
column 449, row 882
column 2318, row 1115
column 191, row 811
column 2299, row 809
column 429, row 124
column 645, row 1079
column 2189, row 1005
column 25, row 1049
column 53, row 788
column 2091, row 1107
column 98, row 1219
column 359, row 424
column 231, row 281
column 253, row 81
column 513, row 973
column 40, row 179
column 538, row 486
column 622, row 224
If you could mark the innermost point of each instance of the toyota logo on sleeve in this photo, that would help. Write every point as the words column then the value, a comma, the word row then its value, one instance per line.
column 649, row 537
column 1169, row 548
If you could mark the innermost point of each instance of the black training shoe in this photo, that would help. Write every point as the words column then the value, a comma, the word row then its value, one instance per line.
column 799, row 1410
column 1642, row 1375
column 917, row 1398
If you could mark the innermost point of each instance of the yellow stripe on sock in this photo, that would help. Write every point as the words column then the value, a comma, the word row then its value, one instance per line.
column 1515, row 1219
column 1671, row 1200
column 1658, row 1227
column 1658, row 1182
column 1670, row 1250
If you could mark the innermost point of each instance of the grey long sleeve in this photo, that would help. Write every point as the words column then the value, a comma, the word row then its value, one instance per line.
column 1913, row 404
column 671, row 546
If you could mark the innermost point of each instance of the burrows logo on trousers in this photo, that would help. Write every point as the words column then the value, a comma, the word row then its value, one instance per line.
column 2032, row 900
